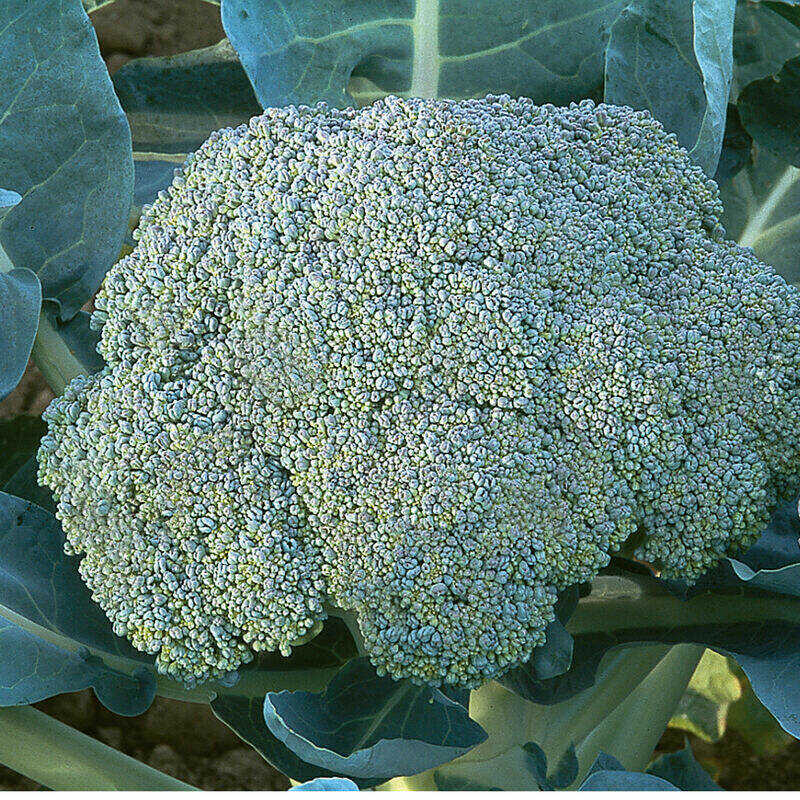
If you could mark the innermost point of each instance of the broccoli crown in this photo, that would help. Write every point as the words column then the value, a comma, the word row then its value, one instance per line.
column 427, row 361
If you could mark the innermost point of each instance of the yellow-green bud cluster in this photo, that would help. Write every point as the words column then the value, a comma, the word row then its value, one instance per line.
column 429, row 361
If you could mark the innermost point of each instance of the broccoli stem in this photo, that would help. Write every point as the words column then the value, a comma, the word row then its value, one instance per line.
column 623, row 715
column 61, row 758
column 58, row 364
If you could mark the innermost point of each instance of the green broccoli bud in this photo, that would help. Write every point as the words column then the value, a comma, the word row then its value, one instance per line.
column 427, row 361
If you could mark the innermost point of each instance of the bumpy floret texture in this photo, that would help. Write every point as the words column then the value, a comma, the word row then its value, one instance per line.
column 427, row 361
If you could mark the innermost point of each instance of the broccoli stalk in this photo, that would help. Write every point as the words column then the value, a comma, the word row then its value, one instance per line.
column 624, row 713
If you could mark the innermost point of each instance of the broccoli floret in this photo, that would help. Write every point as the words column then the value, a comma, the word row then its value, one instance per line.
column 429, row 362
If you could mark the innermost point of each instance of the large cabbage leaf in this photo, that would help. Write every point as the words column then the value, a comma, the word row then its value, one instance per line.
column 353, row 51
column 64, row 147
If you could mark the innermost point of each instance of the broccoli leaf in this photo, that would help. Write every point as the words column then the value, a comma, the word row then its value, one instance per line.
column 8, row 199
column 53, row 638
column 623, row 781
column 69, row 160
column 326, row 785
column 565, row 772
column 761, row 211
column 451, row 783
column 349, row 53
column 736, row 147
column 245, row 716
column 371, row 728
column 656, row 47
column 769, row 109
column 64, row 350
column 682, row 770
column 703, row 709
column 174, row 102
column 241, row 707
column 20, row 301
column 19, row 440
column 607, row 774
column 763, row 41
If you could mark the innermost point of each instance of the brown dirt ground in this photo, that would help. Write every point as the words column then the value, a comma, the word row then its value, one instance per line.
column 186, row 740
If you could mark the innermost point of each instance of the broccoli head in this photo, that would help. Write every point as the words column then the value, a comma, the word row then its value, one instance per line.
column 429, row 362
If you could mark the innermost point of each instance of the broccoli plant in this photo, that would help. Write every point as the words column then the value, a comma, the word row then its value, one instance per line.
column 437, row 407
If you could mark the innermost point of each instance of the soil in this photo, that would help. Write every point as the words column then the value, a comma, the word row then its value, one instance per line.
column 186, row 740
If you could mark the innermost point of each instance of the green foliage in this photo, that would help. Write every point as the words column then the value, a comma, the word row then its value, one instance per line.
column 358, row 51
column 50, row 631
column 763, row 41
column 20, row 300
column 750, row 719
column 669, row 772
column 69, row 161
column 371, row 728
column 704, row 708
column 174, row 102
column 770, row 108
column 682, row 770
column 656, row 46
column 761, row 211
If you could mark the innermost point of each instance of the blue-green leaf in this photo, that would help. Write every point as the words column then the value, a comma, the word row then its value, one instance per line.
column 623, row 781
column 770, row 108
column 174, row 102
column 762, row 211
column 554, row 657
column 369, row 727
column 763, row 41
column 326, row 785
column 455, row 783
column 737, row 145
column 67, row 348
column 245, row 716
column 20, row 301
column 348, row 52
column 151, row 178
column 53, row 638
column 607, row 774
column 19, row 441
column 682, row 771
column 64, row 146
column 8, row 199
column 657, row 46
column 241, row 707
column 549, row 779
